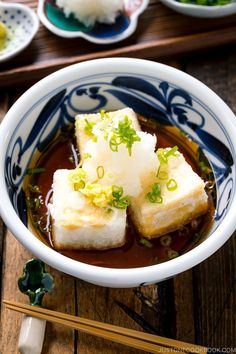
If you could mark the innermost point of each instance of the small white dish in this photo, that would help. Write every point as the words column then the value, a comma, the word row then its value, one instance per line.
column 202, row 11
column 56, row 22
column 22, row 24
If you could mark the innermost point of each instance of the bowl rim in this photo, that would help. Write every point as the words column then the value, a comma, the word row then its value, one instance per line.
column 100, row 275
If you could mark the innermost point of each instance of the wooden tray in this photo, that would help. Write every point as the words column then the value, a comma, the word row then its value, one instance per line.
column 161, row 32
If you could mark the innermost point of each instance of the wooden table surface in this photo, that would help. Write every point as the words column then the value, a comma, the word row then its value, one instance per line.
column 161, row 32
column 197, row 306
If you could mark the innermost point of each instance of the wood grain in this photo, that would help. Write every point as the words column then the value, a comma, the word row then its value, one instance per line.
column 197, row 306
column 161, row 32
column 57, row 339
column 184, row 307
column 99, row 304
column 3, row 110
column 154, row 304
column 183, row 292
column 215, row 279
column 14, row 257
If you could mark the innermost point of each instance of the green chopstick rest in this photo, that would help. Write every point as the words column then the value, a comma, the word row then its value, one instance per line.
column 35, row 283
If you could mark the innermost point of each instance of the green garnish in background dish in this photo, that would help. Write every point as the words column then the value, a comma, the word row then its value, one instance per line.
column 206, row 2
column 3, row 35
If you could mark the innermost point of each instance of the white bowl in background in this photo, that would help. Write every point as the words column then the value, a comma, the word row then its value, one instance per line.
column 201, row 10
column 22, row 25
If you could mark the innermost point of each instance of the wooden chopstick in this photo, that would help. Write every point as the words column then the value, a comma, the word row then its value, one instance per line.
column 135, row 339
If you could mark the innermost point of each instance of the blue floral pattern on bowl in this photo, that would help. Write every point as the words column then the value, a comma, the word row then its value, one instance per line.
column 54, row 19
column 157, row 99
column 21, row 24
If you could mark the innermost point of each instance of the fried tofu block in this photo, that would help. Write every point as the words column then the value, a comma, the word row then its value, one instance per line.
column 77, row 224
column 178, row 207
column 82, row 137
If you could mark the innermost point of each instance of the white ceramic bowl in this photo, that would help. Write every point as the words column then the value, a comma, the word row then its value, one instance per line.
column 22, row 25
column 201, row 10
column 151, row 89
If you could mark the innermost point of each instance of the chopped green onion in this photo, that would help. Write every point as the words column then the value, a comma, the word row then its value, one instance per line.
column 154, row 198
column 172, row 254
column 88, row 129
column 123, row 134
column 104, row 114
column 33, row 203
column 100, row 172
column 117, row 192
column 113, row 145
column 118, row 202
column 87, row 156
column 163, row 154
column 172, row 185
column 183, row 231
column 79, row 185
column 161, row 174
column 77, row 178
column 185, row 135
column 121, row 203
column 155, row 195
column 204, row 168
column 76, row 175
column 165, row 240
column 172, row 151
column 156, row 188
column 145, row 242
column 31, row 171
column 34, row 188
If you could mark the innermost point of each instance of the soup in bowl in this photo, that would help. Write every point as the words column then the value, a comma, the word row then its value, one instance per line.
column 179, row 114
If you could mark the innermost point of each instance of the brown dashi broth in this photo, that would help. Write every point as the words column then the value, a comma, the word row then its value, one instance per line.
column 134, row 253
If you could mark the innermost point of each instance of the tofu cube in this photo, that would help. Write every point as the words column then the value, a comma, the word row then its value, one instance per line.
column 179, row 207
column 78, row 224
column 188, row 201
column 82, row 137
